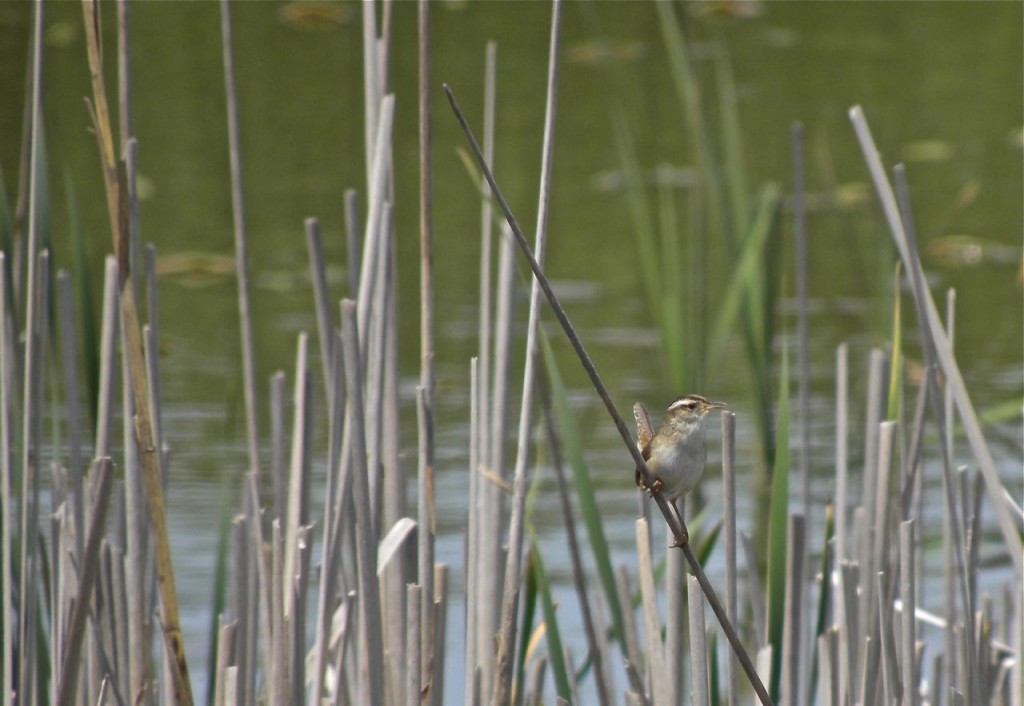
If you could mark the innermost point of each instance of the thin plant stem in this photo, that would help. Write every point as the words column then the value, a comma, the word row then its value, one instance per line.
column 241, row 242
column 426, row 397
column 513, row 559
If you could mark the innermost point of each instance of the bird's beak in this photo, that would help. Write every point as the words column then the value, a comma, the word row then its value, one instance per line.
column 717, row 405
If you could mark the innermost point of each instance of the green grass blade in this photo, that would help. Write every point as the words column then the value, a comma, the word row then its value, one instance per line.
column 747, row 267
column 584, row 488
column 732, row 141
column 778, row 520
column 684, row 80
column 556, row 655
column 529, row 598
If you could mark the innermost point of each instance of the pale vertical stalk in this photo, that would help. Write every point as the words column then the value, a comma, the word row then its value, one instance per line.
column 675, row 621
column 486, row 240
column 29, row 460
column 69, row 359
column 352, row 231
column 277, row 677
column 698, row 646
column 426, row 227
column 729, row 530
column 225, row 658
column 472, row 532
column 886, row 645
column 376, row 346
column 6, row 565
column 260, row 589
column 297, row 510
column 936, row 338
column 279, row 482
column 241, row 607
column 35, row 355
column 241, row 244
column 337, row 488
column 513, row 559
column 321, row 297
column 427, row 528
column 440, row 618
column 948, row 535
column 803, row 339
column 908, row 625
column 370, row 681
column 299, row 586
column 413, row 639
column 392, row 464
column 491, row 448
column 492, row 516
column 656, row 669
column 1017, row 639
column 793, row 625
column 633, row 655
column 374, row 232
column 425, row 395
column 842, row 385
column 878, row 374
column 371, row 81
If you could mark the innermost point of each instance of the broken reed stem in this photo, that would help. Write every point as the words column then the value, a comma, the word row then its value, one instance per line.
column 117, row 203
column 678, row 532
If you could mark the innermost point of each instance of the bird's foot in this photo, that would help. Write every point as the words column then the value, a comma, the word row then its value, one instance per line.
column 656, row 487
column 680, row 540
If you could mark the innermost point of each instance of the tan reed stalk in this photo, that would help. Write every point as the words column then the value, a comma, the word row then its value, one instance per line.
column 117, row 204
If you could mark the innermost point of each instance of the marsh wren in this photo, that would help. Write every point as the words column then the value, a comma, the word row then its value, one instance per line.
column 676, row 454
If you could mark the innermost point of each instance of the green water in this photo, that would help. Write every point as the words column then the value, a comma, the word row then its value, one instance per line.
column 941, row 84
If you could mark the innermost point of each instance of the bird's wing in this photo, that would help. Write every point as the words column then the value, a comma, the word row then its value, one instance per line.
column 644, row 434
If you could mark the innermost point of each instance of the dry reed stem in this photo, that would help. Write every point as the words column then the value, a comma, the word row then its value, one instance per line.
column 114, row 180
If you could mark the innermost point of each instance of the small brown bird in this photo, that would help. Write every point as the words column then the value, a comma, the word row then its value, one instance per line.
column 676, row 454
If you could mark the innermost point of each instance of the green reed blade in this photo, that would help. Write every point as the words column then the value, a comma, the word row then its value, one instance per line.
column 556, row 655
column 573, row 449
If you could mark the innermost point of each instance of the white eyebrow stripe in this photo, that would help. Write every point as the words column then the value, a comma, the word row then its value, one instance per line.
column 684, row 402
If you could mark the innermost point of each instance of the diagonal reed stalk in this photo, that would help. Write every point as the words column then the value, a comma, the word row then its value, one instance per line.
column 114, row 179
column 679, row 532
